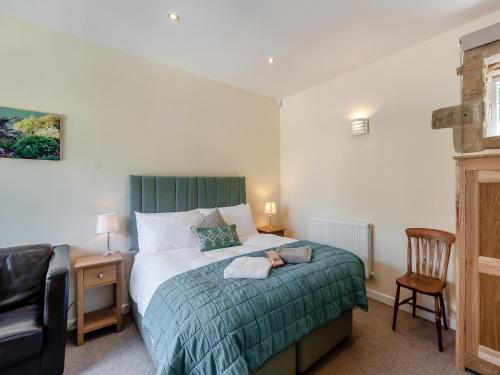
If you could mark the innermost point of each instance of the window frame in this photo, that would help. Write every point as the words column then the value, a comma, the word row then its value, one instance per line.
column 494, row 130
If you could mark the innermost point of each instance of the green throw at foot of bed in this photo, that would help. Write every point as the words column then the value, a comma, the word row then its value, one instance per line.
column 201, row 323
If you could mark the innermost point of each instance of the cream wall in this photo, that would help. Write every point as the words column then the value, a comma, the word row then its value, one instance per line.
column 401, row 174
column 122, row 115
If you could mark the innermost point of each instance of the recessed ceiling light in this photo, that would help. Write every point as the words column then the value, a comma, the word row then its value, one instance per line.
column 173, row 16
column 270, row 60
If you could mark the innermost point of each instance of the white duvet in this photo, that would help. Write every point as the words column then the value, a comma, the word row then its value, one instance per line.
column 152, row 269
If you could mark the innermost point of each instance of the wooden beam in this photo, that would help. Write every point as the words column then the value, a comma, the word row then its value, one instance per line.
column 448, row 117
column 473, row 112
column 463, row 69
column 468, row 138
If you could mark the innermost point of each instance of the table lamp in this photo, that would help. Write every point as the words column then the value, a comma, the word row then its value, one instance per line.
column 107, row 223
column 270, row 210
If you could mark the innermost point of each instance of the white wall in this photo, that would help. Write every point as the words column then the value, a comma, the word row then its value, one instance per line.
column 401, row 174
column 125, row 115
column 122, row 115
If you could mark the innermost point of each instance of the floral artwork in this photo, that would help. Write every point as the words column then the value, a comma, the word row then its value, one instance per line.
column 29, row 135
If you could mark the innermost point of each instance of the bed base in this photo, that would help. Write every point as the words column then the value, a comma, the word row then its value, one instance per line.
column 294, row 360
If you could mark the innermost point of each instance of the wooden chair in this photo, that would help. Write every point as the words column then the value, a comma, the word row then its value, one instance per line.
column 432, row 254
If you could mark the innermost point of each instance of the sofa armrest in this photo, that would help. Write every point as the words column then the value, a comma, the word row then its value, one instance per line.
column 55, row 314
column 60, row 260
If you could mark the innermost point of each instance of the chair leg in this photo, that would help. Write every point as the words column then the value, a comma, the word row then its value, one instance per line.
column 414, row 303
column 443, row 309
column 438, row 322
column 396, row 308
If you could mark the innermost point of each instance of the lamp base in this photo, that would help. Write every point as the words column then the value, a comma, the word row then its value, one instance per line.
column 109, row 253
column 270, row 223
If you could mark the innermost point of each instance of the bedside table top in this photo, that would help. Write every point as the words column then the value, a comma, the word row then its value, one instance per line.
column 97, row 260
column 267, row 229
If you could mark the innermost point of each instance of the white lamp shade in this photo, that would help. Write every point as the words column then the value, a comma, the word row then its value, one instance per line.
column 107, row 223
column 270, row 208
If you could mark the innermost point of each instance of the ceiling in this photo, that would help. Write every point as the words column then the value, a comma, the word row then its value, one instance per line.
column 230, row 40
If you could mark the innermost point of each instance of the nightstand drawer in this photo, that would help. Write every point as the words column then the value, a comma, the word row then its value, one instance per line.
column 99, row 275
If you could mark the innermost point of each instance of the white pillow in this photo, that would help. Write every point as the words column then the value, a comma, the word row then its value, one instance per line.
column 168, row 230
column 240, row 215
column 206, row 211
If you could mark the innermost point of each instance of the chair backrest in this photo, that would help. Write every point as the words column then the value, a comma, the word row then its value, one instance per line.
column 432, row 250
column 22, row 274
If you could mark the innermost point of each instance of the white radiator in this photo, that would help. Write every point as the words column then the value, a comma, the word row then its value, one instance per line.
column 353, row 236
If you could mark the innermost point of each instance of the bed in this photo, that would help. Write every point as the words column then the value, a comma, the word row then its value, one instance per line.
column 162, row 304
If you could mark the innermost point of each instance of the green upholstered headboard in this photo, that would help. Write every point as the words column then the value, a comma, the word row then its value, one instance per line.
column 171, row 194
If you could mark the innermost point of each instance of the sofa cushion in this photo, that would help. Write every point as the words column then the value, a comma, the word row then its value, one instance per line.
column 21, row 335
column 22, row 274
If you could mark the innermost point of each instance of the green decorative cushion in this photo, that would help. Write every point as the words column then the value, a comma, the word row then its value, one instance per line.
column 218, row 237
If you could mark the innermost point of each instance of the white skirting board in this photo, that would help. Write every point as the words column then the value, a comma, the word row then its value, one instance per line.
column 71, row 325
column 389, row 300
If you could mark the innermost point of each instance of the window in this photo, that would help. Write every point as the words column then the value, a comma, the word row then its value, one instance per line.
column 491, row 79
column 495, row 108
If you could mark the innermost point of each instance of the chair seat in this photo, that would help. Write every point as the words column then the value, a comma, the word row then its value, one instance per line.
column 423, row 284
column 21, row 335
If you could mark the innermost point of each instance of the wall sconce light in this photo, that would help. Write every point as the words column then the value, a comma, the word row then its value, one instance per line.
column 359, row 126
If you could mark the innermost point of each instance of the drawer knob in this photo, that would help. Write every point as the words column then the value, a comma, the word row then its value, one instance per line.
column 100, row 276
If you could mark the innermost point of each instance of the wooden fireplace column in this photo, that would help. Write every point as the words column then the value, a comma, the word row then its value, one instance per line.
column 478, row 254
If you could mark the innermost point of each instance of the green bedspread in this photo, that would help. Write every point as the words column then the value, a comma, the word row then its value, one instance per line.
column 201, row 323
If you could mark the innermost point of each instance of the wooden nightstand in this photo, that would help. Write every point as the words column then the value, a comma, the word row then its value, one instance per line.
column 94, row 272
column 279, row 231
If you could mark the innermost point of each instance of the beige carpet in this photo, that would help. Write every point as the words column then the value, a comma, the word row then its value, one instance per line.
column 372, row 349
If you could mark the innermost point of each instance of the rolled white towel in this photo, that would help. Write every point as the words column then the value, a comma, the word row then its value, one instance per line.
column 248, row 268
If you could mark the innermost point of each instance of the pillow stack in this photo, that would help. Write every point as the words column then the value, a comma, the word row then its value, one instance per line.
column 212, row 219
column 214, row 233
column 212, row 228
column 241, row 216
column 167, row 231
